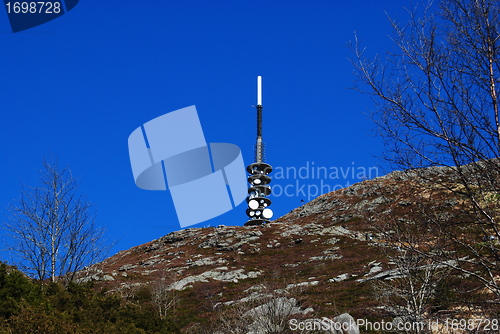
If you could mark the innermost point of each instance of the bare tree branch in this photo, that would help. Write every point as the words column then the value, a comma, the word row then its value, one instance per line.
column 53, row 227
column 437, row 104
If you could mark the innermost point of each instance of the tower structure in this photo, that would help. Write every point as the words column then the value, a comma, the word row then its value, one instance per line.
column 258, row 211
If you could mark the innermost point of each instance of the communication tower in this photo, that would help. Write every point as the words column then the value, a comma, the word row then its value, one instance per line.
column 258, row 211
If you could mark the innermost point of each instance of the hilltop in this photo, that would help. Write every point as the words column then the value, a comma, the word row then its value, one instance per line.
column 331, row 256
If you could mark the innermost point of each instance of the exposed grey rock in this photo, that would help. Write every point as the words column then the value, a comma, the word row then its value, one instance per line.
column 256, row 292
column 368, row 205
column 175, row 237
column 335, row 230
column 293, row 230
column 228, row 239
column 328, row 257
column 374, row 269
column 388, row 274
column 151, row 261
column 339, row 278
column 127, row 267
column 272, row 316
column 87, row 279
column 332, row 241
column 218, row 274
column 207, row 261
column 94, row 277
column 292, row 286
column 175, row 253
column 348, row 324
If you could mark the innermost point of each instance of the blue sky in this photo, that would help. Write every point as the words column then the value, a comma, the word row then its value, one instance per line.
column 78, row 86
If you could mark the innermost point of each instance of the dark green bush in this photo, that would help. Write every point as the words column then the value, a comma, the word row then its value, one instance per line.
column 29, row 306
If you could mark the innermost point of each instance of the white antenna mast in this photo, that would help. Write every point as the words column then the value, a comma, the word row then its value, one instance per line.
column 259, row 90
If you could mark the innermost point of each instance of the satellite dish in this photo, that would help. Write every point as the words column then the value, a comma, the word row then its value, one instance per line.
column 253, row 204
column 267, row 213
column 252, row 213
column 257, row 181
column 257, row 213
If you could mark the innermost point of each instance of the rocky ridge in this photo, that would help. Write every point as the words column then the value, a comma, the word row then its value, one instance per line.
column 317, row 261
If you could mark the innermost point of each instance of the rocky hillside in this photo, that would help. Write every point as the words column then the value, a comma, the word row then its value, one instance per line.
column 317, row 262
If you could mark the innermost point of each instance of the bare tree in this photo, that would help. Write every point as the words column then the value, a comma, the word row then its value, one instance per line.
column 410, row 293
column 53, row 227
column 437, row 104
column 163, row 297
column 436, row 96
